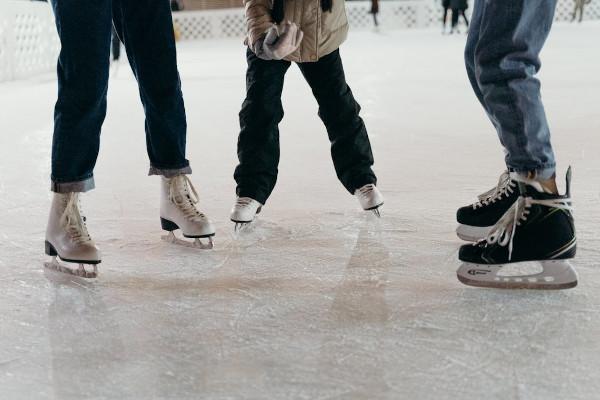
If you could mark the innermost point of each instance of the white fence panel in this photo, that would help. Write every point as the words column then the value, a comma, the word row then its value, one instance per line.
column 29, row 44
column 28, row 40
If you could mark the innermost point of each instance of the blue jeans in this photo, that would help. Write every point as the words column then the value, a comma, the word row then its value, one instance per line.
column 146, row 29
column 502, row 59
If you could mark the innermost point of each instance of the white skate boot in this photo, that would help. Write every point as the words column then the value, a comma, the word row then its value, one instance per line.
column 67, row 238
column 370, row 198
column 178, row 211
column 244, row 211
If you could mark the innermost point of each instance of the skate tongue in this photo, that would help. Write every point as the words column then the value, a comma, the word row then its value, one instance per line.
column 526, row 185
column 532, row 188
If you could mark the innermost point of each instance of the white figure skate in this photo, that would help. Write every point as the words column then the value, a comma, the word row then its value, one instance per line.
column 244, row 211
column 178, row 211
column 370, row 198
column 67, row 238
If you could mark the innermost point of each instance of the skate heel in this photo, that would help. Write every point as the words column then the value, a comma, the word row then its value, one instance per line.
column 168, row 225
column 50, row 250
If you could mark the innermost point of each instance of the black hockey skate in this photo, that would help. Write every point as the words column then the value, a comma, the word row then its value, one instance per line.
column 539, row 227
column 476, row 220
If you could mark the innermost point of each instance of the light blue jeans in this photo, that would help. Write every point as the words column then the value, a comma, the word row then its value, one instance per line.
column 502, row 59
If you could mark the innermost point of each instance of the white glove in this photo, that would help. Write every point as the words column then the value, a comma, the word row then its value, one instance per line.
column 279, row 42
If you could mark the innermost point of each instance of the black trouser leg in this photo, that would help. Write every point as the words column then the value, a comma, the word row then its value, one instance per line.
column 454, row 18
column 84, row 29
column 350, row 147
column 146, row 29
column 258, row 142
column 116, row 46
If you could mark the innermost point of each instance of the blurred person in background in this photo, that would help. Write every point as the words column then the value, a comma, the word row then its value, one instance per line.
column 115, row 46
column 375, row 11
column 458, row 9
column 579, row 8
column 177, row 5
column 446, row 7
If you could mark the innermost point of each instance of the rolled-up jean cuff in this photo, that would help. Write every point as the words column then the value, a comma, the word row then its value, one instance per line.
column 540, row 173
column 69, row 187
column 169, row 173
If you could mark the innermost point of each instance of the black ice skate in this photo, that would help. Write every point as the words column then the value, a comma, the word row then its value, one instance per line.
column 538, row 227
column 476, row 220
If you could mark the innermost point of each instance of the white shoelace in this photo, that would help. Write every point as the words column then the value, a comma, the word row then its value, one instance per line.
column 366, row 190
column 74, row 221
column 243, row 202
column 183, row 194
column 505, row 187
column 503, row 232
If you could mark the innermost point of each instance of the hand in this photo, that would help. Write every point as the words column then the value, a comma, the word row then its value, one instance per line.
column 279, row 42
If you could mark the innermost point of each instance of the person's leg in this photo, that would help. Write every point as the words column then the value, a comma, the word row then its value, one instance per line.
column 258, row 142
column 83, row 65
column 146, row 29
column 350, row 146
column 444, row 18
column 454, row 18
column 472, row 40
column 506, row 61
column 464, row 15
column 116, row 46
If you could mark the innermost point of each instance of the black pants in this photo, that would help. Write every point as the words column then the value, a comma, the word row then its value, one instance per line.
column 258, row 143
column 456, row 13
column 446, row 7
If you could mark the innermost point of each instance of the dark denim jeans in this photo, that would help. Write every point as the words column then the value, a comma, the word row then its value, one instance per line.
column 258, row 142
column 502, row 58
column 146, row 29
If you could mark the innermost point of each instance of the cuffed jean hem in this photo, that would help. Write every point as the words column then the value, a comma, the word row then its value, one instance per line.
column 253, row 194
column 543, row 173
column 357, row 184
column 70, row 187
column 169, row 173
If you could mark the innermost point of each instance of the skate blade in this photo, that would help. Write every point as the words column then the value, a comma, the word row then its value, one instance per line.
column 375, row 210
column 472, row 233
column 79, row 271
column 240, row 227
column 556, row 274
column 196, row 244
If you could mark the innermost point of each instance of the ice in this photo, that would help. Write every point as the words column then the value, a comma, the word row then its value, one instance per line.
column 318, row 300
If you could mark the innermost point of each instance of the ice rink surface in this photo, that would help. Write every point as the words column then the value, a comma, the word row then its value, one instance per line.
column 319, row 300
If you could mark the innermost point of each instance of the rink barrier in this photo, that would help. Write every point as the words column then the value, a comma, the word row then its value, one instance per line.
column 29, row 44
column 394, row 14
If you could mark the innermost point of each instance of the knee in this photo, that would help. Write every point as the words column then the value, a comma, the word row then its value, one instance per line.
column 501, row 67
column 260, row 112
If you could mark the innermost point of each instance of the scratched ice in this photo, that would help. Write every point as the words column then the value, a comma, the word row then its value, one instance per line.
column 318, row 300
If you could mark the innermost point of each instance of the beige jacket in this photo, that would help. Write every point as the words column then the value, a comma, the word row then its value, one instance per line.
column 324, row 32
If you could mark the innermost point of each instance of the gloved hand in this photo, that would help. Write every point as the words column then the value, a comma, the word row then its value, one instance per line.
column 279, row 42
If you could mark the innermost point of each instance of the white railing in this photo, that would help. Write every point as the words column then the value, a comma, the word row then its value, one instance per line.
column 29, row 44
column 394, row 14
column 28, row 41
